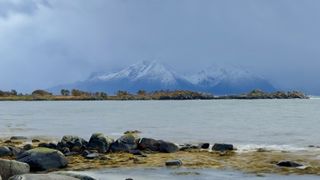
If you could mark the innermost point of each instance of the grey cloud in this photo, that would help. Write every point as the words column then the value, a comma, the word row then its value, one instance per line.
column 27, row 7
column 68, row 41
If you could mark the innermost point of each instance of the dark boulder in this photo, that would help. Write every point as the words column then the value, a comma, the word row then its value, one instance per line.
column 222, row 147
column 148, row 144
column 157, row 145
column 5, row 151
column 167, row 147
column 41, row 159
column 174, row 163
column 204, row 145
column 74, row 143
column 100, row 142
column 48, row 145
column 125, row 143
column 289, row 164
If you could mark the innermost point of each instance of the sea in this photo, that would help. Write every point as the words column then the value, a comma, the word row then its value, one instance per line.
column 288, row 125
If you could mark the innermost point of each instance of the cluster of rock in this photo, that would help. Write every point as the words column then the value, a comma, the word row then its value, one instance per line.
column 258, row 94
column 53, row 156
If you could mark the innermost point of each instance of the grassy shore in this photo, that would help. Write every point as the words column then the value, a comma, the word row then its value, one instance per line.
column 77, row 95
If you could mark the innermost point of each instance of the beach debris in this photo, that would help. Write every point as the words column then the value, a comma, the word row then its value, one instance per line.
column 176, row 162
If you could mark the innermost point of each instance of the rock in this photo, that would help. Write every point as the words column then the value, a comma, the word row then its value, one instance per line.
column 74, row 143
column 132, row 132
column 10, row 168
column 27, row 147
column 186, row 147
column 157, row 145
column 48, row 145
column 18, row 138
column 289, row 164
column 42, row 177
column 100, row 142
column 125, row 143
column 137, row 152
column 174, row 163
column 148, row 144
column 168, row 147
column 204, row 145
column 35, row 141
column 75, row 175
column 41, row 159
column 222, row 147
column 15, row 150
column 5, row 151
column 92, row 156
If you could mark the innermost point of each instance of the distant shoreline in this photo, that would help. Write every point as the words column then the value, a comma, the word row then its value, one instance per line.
column 78, row 95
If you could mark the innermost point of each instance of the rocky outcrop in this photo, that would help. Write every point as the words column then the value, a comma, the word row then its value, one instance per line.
column 100, row 142
column 41, row 159
column 10, row 168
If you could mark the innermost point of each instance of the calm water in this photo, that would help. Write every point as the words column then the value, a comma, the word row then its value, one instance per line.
column 275, row 124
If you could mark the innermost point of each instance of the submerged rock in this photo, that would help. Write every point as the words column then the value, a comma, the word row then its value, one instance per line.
column 41, row 159
column 10, row 168
column 42, row 177
column 74, row 174
column 100, row 142
column 174, row 163
column 291, row 164
column 222, row 147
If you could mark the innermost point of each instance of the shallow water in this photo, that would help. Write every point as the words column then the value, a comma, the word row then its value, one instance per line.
column 246, row 122
column 249, row 124
column 186, row 174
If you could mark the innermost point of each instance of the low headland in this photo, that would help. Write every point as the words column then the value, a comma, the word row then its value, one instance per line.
column 23, row 155
column 78, row 95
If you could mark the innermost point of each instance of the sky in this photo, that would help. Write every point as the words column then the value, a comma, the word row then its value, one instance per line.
column 44, row 43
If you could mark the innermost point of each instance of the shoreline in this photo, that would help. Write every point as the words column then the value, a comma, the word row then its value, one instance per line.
column 143, row 153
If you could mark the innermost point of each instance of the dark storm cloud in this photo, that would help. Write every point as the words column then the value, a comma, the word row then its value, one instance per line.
column 44, row 44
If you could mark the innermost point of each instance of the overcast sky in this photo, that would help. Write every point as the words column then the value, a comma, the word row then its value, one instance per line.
column 48, row 42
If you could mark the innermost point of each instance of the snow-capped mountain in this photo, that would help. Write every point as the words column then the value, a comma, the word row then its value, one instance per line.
column 152, row 76
column 228, row 80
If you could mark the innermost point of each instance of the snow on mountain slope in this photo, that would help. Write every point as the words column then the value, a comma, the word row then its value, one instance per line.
column 152, row 71
column 216, row 74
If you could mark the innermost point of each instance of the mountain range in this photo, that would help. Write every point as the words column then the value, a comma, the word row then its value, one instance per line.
column 152, row 76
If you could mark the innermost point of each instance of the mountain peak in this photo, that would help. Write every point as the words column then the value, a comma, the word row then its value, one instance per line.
column 143, row 70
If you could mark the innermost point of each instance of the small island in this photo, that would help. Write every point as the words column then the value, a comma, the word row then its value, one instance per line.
column 78, row 95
